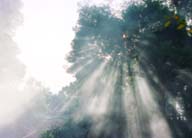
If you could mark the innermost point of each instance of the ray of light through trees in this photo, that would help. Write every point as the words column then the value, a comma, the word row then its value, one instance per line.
column 133, row 73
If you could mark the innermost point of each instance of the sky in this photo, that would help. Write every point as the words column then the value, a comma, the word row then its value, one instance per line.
column 33, row 52
column 44, row 39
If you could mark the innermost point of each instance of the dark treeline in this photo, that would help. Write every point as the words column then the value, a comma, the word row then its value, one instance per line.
column 114, row 57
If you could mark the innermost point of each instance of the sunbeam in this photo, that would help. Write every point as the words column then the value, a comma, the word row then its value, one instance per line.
column 127, row 69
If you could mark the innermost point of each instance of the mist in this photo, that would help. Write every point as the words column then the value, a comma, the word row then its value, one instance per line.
column 17, row 93
column 127, row 63
column 132, row 69
column 12, row 71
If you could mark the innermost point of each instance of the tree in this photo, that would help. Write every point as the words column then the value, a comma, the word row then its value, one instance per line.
column 110, row 55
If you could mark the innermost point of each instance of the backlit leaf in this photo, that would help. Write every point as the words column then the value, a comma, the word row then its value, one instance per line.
column 167, row 24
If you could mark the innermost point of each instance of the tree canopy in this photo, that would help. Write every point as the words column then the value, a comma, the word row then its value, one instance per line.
column 115, row 59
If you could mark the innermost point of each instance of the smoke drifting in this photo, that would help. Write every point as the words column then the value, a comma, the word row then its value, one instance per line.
column 11, row 69
column 14, row 91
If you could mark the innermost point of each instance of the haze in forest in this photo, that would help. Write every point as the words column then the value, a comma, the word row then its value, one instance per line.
column 35, row 39
column 95, row 69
